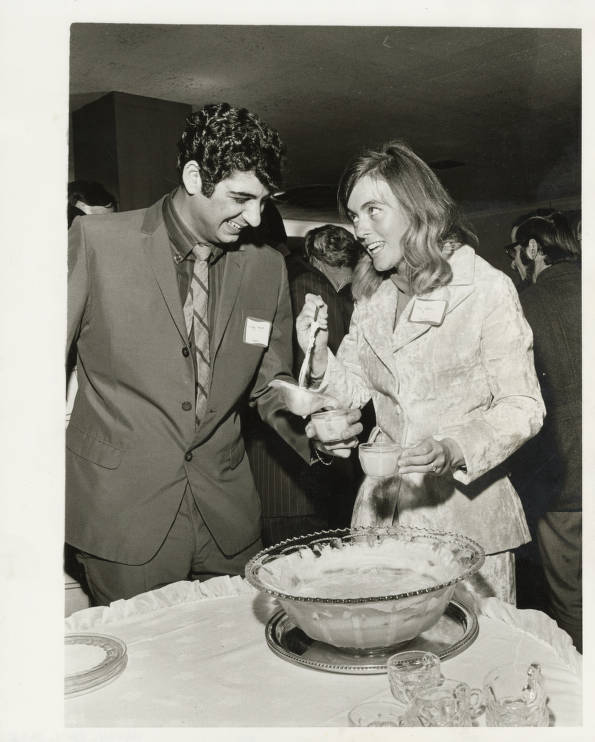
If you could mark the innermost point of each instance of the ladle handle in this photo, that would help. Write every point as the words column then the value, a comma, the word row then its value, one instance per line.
column 305, row 369
column 375, row 432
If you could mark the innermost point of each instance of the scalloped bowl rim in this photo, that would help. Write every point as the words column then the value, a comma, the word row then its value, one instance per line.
column 255, row 563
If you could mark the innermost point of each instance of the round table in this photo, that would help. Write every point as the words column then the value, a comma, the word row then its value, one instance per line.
column 197, row 657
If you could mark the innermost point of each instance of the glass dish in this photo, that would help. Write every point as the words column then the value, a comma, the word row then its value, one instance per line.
column 302, row 401
column 454, row 631
column 411, row 671
column 91, row 661
column 369, row 622
column 380, row 714
column 515, row 696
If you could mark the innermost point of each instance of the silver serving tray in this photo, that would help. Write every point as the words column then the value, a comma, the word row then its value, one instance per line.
column 455, row 631
column 111, row 665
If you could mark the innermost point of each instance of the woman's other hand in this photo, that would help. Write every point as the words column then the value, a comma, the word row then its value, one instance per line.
column 432, row 457
column 314, row 309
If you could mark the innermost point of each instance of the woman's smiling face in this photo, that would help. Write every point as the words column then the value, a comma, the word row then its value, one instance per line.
column 379, row 221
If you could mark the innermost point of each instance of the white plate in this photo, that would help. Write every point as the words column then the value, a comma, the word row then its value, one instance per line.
column 91, row 661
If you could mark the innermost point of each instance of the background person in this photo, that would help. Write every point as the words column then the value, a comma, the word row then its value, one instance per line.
column 520, row 265
column 331, row 253
column 547, row 470
column 439, row 342
column 176, row 320
column 297, row 498
column 88, row 197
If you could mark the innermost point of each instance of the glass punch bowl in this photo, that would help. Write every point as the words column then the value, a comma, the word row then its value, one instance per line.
column 365, row 590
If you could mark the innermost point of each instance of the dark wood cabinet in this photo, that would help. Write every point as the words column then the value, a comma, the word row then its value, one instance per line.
column 129, row 144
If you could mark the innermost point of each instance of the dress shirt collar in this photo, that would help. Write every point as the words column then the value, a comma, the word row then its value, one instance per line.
column 182, row 240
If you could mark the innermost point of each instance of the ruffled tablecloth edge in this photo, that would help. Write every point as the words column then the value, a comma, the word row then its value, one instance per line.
column 533, row 622
column 538, row 625
column 175, row 594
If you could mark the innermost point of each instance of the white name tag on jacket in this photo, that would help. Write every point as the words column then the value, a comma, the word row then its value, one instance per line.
column 257, row 331
column 431, row 311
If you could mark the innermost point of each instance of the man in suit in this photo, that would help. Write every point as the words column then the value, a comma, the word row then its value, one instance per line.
column 158, row 486
column 547, row 470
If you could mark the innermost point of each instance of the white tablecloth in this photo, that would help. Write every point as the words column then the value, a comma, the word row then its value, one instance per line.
column 197, row 657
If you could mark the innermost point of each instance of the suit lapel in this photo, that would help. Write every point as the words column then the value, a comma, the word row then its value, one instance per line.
column 232, row 277
column 159, row 254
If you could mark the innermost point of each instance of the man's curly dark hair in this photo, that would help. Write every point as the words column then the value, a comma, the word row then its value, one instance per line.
column 223, row 139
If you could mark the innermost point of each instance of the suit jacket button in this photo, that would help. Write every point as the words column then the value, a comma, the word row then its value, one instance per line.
column 186, row 406
column 188, row 456
column 185, row 352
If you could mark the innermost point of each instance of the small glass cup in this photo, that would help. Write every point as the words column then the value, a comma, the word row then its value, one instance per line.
column 329, row 425
column 380, row 714
column 379, row 459
column 451, row 704
column 412, row 671
column 515, row 697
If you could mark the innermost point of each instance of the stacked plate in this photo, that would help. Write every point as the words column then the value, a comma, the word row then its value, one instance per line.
column 91, row 661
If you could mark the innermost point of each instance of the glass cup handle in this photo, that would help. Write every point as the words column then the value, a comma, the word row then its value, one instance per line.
column 477, row 704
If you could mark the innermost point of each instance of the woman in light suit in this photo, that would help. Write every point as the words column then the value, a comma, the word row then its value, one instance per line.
column 439, row 342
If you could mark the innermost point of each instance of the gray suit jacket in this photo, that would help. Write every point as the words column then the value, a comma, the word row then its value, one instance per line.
column 132, row 443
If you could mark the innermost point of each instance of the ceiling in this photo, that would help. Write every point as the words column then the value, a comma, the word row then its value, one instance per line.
column 504, row 102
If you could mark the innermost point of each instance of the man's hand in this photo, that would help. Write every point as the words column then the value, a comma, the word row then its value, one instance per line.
column 348, row 439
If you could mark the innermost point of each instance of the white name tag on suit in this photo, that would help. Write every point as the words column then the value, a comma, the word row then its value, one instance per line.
column 257, row 331
column 431, row 311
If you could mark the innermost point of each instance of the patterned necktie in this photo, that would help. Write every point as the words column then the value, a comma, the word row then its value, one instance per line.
column 199, row 289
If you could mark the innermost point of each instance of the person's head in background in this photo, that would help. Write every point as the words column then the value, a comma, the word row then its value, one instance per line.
column 334, row 251
column 575, row 220
column 519, row 262
column 404, row 218
column 88, row 197
column 229, row 163
column 541, row 239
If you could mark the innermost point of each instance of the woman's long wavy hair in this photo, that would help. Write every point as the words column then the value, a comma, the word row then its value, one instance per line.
column 435, row 229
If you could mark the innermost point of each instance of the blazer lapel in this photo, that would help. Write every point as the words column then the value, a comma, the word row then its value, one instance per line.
column 460, row 287
column 406, row 331
column 232, row 277
column 159, row 254
column 377, row 323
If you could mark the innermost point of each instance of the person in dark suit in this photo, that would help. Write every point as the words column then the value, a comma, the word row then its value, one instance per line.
column 176, row 320
column 547, row 470
column 88, row 197
column 297, row 498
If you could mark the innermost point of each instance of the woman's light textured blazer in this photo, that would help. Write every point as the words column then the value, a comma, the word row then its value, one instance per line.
column 471, row 379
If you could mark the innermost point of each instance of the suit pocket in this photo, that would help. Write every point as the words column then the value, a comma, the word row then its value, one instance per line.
column 88, row 447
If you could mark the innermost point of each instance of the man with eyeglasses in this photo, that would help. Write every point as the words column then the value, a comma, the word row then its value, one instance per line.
column 547, row 470
column 521, row 264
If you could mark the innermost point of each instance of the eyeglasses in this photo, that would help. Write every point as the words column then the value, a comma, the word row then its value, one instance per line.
column 510, row 250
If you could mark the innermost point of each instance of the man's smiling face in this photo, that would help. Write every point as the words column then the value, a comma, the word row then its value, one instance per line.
column 237, row 202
